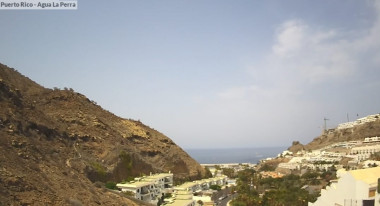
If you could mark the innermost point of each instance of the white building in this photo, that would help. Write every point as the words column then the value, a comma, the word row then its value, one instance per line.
column 290, row 166
column 364, row 152
column 141, row 190
column 188, row 186
column 161, row 181
column 206, row 200
column 354, row 188
column 367, row 119
column 204, row 184
column 148, row 188
column 285, row 153
column 181, row 198
column 371, row 139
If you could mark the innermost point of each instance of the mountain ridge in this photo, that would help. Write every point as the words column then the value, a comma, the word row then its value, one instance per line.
column 355, row 132
column 60, row 136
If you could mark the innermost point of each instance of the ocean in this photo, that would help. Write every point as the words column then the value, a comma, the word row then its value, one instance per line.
column 236, row 155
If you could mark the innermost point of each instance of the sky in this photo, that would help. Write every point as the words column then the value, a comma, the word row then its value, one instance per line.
column 209, row 74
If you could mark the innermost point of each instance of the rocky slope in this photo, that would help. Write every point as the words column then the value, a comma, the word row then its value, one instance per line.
column 358, row 132
column 57, row 146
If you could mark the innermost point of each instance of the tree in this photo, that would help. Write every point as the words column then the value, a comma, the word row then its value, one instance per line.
column 216, row 187
column 229, row 172
column 267, row 167
column 375, row 156
column 328, row 175
column 161, row 200
column 310, row 175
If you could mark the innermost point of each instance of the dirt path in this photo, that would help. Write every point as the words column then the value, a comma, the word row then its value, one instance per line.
column 77, row 152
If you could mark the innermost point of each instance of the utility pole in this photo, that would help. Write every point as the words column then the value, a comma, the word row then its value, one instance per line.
column 348, row 119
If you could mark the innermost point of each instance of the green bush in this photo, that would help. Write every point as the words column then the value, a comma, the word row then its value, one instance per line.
column 99, row 168
column 215, row 187
column 129, row 193
column 111, row 185
column 126, row 160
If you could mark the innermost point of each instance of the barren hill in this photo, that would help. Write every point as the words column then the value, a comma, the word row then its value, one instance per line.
column 353, row 133
column 56, row 146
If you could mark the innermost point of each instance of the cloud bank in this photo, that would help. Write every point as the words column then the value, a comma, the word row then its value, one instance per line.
column 304, row 77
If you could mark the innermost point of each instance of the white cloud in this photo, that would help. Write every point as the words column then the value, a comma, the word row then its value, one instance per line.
column 304, row 55
column 310, row 54
column 370, row 40
column 304, row 59
column 290, row 37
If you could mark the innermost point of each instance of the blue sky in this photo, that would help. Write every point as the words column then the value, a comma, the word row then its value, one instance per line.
column 209, row 74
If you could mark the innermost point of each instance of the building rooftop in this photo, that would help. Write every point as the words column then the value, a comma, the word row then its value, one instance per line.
column 180, row 202
column 368, row 176
column 134, row 184
column 157, row 176
column 184, row 196
column 144, row 181
column 186, row 185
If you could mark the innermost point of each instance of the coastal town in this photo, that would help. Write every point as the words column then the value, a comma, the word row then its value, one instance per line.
column 159, row 189
column 355, row 168
column 190, row 103
column 355, row 153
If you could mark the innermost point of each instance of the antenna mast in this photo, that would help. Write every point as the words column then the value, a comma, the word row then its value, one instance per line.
column 325, row 119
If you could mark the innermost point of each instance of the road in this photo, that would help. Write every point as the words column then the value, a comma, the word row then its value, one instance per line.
column 223, row 196
column 225, row 200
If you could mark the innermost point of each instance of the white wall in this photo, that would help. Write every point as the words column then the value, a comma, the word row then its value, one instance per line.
column 347, row 188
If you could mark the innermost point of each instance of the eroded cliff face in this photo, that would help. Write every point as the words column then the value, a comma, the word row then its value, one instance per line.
column 56, row 144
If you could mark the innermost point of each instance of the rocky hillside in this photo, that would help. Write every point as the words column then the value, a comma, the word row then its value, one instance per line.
column 357, row 132
column 57, row 147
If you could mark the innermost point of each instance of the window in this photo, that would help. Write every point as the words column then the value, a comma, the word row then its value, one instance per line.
column 372, row 192
column 368, row 202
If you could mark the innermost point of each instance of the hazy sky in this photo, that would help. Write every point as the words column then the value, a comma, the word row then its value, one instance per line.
column 209, row 73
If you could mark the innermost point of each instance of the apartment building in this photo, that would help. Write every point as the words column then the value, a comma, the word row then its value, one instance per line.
column 148, row 188
column 203, row 184
column 142, row 190
column 181, row 198
column 367, row 119
column 353, row 188
column 364, row 152
column 162, row 181
column 151, row 188
column 371, row 139
column 188, row 186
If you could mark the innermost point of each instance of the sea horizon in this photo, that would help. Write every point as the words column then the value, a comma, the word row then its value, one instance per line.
column 233, row 155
